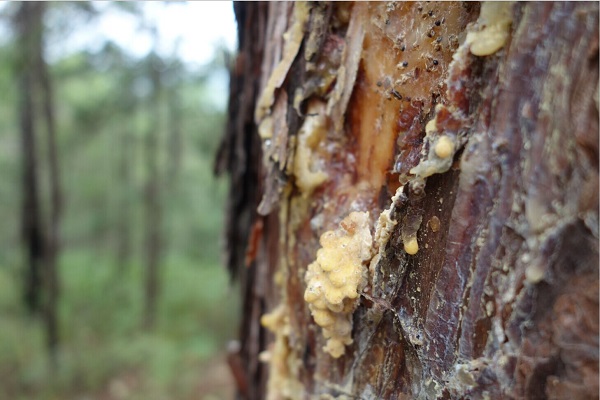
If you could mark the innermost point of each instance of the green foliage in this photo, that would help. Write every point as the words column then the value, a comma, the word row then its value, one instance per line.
column 103, row 342
column 103, row 114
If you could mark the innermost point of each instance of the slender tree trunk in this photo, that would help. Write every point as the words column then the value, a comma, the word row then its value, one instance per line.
column 421, row 220
column 53, row 247
column 28, row 20
column 174, row 155
column 42, row 243
column 123, row 233
column 175, row 135
column 153, row 202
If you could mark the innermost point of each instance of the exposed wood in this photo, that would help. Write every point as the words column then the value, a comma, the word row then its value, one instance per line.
column 469, row 133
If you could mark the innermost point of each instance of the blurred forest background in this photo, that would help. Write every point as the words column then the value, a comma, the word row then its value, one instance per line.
column 110, row 279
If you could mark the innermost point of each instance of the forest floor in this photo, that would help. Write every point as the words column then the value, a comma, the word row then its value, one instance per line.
column 213, row 381
column 104, row 352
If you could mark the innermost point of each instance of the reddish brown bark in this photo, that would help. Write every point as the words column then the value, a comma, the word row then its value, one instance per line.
column 501, row 300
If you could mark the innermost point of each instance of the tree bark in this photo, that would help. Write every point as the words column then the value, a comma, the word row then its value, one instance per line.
column 42, row 241
column 28, row 23
column 240, row 156
column 427, row 177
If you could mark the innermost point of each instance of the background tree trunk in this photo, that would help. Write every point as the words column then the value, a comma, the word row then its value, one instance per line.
column 153, row 239
column 175, row 112
column 469, row 134
column 53, row 245
column 42, row 241
column 28, row 22
column 124, row 231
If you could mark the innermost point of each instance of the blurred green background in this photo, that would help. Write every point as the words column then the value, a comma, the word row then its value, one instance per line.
column 135, row 136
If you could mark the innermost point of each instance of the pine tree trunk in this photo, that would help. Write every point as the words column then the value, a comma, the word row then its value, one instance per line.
column 53, row 247
column 124, row 231
column 414, row 203
column 28, row 23
column 176, row 141
column 153, row 205
column 42, row 240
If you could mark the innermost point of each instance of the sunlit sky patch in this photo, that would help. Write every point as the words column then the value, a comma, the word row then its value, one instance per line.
column 189, row 30
column 192, row 30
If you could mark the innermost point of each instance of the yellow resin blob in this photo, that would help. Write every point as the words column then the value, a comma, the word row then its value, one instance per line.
column 335, row 279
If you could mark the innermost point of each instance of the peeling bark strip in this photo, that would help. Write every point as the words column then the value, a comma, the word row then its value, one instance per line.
column 465, row 136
